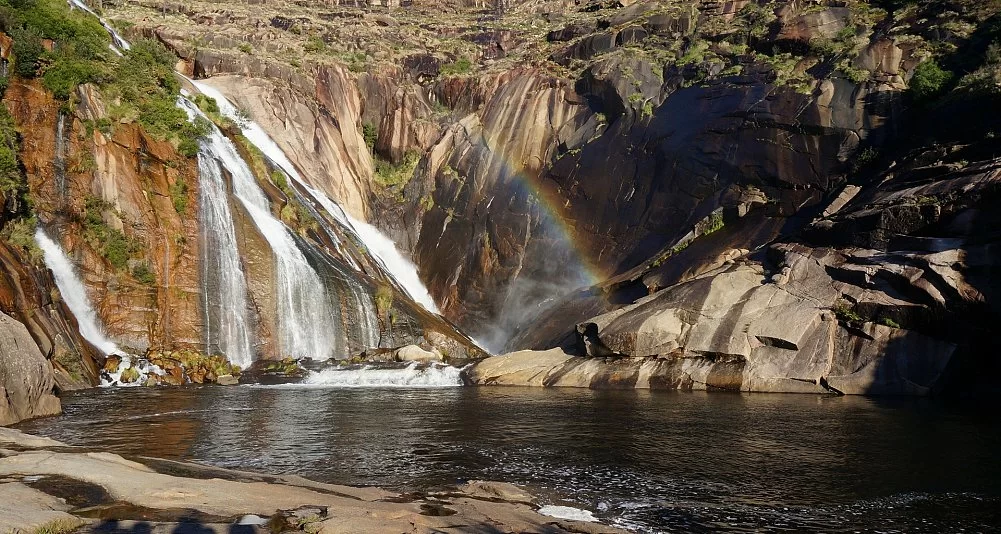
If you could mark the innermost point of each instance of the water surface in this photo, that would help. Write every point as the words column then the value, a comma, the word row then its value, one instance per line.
column 650, row 461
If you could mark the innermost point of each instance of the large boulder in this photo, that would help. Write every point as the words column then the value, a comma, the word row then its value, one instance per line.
column 26, row 379
column 413, row 353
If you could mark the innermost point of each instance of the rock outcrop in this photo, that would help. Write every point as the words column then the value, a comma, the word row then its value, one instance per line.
column 218, row 496
column 26, row 381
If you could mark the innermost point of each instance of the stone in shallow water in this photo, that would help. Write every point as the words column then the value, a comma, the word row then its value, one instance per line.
column 413, row 353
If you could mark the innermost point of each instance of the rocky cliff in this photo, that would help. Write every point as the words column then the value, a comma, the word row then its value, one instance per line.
column 774, row 195
column 751, row 186
column 97, row 152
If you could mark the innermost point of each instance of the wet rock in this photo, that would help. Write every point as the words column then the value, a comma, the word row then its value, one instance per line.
column 227, row 380
column 291, row 503
column 111, row 364
column 482, row 489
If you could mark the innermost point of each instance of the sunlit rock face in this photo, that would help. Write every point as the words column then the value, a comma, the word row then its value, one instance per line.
column 617, row 181
column 533, row 184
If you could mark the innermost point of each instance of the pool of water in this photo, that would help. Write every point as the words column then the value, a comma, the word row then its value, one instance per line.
column 647, row 461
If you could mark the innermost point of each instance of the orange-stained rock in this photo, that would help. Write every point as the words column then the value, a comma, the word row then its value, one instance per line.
column 65, row 165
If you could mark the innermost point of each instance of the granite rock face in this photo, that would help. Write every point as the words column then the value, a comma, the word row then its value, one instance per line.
column 26, row 378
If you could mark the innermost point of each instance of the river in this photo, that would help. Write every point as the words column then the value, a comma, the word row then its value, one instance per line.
column 647, row 461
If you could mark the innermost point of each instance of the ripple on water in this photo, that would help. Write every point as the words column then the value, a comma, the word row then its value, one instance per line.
column 644, row 461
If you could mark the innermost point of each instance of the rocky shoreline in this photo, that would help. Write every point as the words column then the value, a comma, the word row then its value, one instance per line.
column 48, row 486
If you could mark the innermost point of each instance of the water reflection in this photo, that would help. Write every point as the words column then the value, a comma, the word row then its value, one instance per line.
column 646, row 460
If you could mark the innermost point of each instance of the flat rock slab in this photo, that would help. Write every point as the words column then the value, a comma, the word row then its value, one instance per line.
column 27, row 509
column 485, row 507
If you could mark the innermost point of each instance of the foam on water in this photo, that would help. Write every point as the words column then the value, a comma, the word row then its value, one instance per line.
column 143, row 366
column 411, row 376
column 568, row 512
column 74, row 293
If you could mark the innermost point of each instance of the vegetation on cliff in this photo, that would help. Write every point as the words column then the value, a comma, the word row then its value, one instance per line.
column 67, row 48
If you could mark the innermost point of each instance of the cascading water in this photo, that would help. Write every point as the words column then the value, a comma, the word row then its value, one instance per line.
column 305, row 309
column 74, row 294
column 380, row 246
column 60, row 156
column 304, row 312
column 119, row 42
column 228, row 327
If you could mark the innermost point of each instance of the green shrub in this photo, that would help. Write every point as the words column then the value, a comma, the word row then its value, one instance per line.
column 846, row 312
column 63, row 77
column 886, row 321
column 280, row 180
column 245, row 48
column 206, row 104
column 104, row 125
column 28, row 51
column 314, row 44
column 10, row 169
column 142, row 273
column 371, row 135
column 929, row 80
column 111, row 243
column 389, row 175
column 383, row 299
column 714, row 223
column 457, row 67
column 179, row 195
column 146, row 88
column 864, row 158
column 80, row 44
column 21, row 234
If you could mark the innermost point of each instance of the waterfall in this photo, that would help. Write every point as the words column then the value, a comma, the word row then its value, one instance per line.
column 379, row 246
column 221, row 265
column 74, row 294
column 304, row 312
column 119, row 42
column 60, row 156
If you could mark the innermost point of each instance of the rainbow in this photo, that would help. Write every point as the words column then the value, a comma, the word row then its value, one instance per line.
column 552, row 206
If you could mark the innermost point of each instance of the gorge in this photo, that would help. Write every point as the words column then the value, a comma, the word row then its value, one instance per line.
column 348, row 202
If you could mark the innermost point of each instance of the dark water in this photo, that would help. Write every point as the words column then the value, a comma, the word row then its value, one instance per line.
column 648, row 461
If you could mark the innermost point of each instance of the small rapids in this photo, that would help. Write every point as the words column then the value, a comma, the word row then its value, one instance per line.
column 413, row 375
column 143, row 367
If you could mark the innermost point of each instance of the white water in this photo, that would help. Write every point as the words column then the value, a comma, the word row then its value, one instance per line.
column 411, row 376
column 119, row 41
column 221, row 262
column 74, row 294
column 568, row 512
column 380, row 246
column 143, row 366
column 304, row 314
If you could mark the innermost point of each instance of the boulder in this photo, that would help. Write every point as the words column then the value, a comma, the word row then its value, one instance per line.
column 26, row 378
column 227, row 380
column 413, row 353
column 502, row 491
